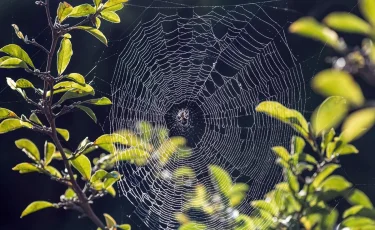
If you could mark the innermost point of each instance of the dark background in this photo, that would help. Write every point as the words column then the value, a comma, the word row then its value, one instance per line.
column 19, row 190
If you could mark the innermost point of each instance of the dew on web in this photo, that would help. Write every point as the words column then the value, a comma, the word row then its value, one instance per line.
column 200, row 72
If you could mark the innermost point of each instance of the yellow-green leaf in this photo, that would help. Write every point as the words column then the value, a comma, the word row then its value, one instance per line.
column 169, row 147
column 13, row 86
column 16, row 51
column 111, row 3
column 111, row 191
column 64, row 55
column 83, row 166
column 6, row 113
column 26, row 168
column 88, row 111
column 99, row 101
column 110, row 222
column 70, row 94
column 124, row 226
column 335, row 183
column 76, row 77
column 49, row 150
column 192, row 225
column 110, row 16
column 82, row 10
column 221, row 179
column 97, row 2
column 53, row 171
column 329, row 114
column 12, row 63
column 131, row 154
column 357, row 124
column 74, row 87
column 324, row 173
column 98, row 22
column 36, row 206
column 23, row 83
column 281, row 152
column 95, row 32
column 357, row 197
column 63, row 11
column 334, row 82
column 18, row 32
column 309, row 27
column 69, row 193
column 347, row 149
column 368, row 10
column 369, row 48
column 347, row 22
column 128, row 138
column 13, row 124
column 64, row 133
column 29, row 148
column 114, row 8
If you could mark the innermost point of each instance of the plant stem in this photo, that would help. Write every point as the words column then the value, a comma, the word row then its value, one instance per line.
column 48, row 112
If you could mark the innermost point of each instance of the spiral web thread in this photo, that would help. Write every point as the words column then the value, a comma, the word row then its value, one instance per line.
column 218, row 63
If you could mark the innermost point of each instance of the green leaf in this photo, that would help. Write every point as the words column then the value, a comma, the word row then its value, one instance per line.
column 281, row 152
column 34, row 118
column 131, row 154
column 289, row 116
column 69, row 193
column 97, row 2
column 124, row 227
column 13, row 124
column 329, row 114
column 128, row 138
column 64, row 55
column 192, row 226
column 76, row 77
column 72, row 94
column 266, row 206
column 145, row 130
column 357, row 124
column 6, row 113
column 221, row 179
column 183, row 173
column 347, row 22
column 114, row 8
column 49, row 150
column 110, row 222
column 95, row 32
column 82, row 10
column 63, row 11
column 333, row 186
column 346, row 150
column 13, row 86
column 64, row 86
column 298, row 144
column 29, row 148
column 110, row 16
column 111, row 3
column 64, row 133
column 17, row 52
column 88, row 111
column 369, row 48
column 368, row 10
column 359, row 210
column 98, row 175
column 169, row 147
column 324, row 173
column 26, row 168
column 83, row 166
column 309, row 27
column 244, row 222
column 358, row 223
column 99, row 101
column 97, row 22
column 357, row 197
column 36, row 206
column 53, row 171
column 327, row 137
column 292, row 181
column 111, row 178
column 23, row 83
column 12, row 63
column 334, row 82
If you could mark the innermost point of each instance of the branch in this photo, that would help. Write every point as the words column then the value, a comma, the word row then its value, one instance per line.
column 35, row 43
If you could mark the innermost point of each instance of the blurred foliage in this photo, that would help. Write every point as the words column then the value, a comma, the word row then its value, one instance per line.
column 304, row 199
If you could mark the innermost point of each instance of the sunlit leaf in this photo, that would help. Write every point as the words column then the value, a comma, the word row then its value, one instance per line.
column 64, row 133
column 193, row 226
column 23, row 83
column 145, row 129
column 6, row 113
column 111, row 191
column 292, row 181
column 70, row 94
column 36, row 206
column 183, row 173
column 128, row 138
column 111, row 3
column 221, row 179
column 333, row 82
column 281, row 152
column 327, row 137
column 346, row 150
column 12, row 84
column 329, row 114
column 244, row 222
column 95, row 32
column 64, row 86
column 99, row 101
column 124, row 226
column 83, row 166
column 12, row 63
column 309, row 27
column 82, row 10
column 333, row 186
column 110, row 222
column 13, row 124
column 357, row 124
column 324, row 173
column 29, row 148
column 110, row 16
column 359, row 210
column 69, row 193
column 298, row 144
column 63, row 11
column 357, row 197
column 347, row 22
column 49, row 150
column 76, row 77
column 288, row 116
column 26, row 168
column 369, row 48
column 16, row 51
column 97, row 22
column 368, row 10
column 131, row 154
column 169, row 147
column 97, row 2
column 88, row 111
column 114, row 8
column 64, row 55
column 53, row 171
column 266, row 206
column 358, row 223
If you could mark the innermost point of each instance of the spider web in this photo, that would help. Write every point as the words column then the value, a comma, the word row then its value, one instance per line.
column 217, row 63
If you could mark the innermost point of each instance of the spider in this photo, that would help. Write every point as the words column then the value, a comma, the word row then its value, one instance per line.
column 183, row 117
